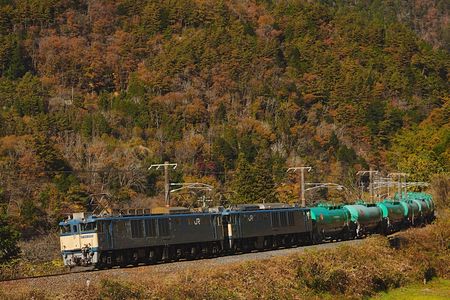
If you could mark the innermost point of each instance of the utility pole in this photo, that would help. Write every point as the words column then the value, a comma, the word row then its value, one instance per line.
column 301, row 180
column 399, row 182
column 388, row 188
column 370, row 172
column 166, row 166
column 406, row 185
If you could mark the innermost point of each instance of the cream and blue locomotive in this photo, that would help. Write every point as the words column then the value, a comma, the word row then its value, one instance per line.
column 79, row 240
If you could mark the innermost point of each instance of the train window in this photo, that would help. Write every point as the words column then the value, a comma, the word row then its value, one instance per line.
column 291, row 219
column 163, row 227
column 275, row 219
column 65, row 229
column 137, row 230
column 150, row 228
column 283, row 219
column 75, row 228
column 88, row 226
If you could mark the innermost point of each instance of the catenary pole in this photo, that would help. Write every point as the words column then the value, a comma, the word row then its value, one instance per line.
column 166, row 166
column 301, row 180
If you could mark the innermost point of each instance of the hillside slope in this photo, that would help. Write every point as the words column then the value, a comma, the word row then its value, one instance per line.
column 93, row 92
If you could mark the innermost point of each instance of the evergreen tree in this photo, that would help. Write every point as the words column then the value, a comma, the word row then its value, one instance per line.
column 48, row 156
column 254, row 183
column 17, row 62
column 263, row 185
column 8, row 240
column 31, row 96
column 243, row 182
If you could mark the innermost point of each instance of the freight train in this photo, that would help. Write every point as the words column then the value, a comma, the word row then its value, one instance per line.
column 171, row 234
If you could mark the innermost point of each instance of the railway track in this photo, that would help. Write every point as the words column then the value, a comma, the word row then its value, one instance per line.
column 45, row 276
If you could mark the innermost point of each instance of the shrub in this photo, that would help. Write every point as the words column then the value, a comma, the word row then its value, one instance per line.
column 115, row 290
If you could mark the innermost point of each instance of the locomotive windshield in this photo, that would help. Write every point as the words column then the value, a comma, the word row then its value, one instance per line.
column 91, row 226
column 64, row 229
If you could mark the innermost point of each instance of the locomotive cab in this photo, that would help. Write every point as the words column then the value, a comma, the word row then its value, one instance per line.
column 79, row 241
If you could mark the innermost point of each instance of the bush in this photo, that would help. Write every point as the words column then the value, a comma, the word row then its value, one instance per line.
column 359, row 271
column 115, row 290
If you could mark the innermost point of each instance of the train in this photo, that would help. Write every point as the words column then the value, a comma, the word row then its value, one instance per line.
column 175, row 233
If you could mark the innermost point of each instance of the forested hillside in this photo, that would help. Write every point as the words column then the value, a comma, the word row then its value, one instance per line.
column 93, row 92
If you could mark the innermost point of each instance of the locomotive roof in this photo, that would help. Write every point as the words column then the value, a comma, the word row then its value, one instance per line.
column 135, row 217
column 256, row 210
column 248, row 208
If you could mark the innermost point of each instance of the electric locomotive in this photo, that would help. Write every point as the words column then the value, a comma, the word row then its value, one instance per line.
column 105, row 241
column 170, row 234
column 266, row 226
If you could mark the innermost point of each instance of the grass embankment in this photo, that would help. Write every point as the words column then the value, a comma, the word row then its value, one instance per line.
column 345, row 272
column 438, row 289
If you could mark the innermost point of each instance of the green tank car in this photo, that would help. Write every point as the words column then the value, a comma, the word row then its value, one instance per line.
column 426, row 205
column 411, row 212
column 330, row 222
column 393, row 215
column 366, row 218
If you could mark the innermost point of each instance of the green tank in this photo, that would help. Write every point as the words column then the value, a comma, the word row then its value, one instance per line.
column 425, row 211
column 422, row 198
column 393, row 213
column 366, row 217
column 330, row 221
column 411, row 211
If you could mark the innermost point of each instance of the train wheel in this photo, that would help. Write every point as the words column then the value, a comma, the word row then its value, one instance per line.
column 346, row 234
column 193, row 252
column 154, row 255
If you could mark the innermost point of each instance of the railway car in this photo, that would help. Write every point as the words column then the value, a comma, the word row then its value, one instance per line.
column 424, row 210
column 121, row 240
column 330, row 222
column 412, row 212
column 366, row 218
column 393, row 216
column 426, row 204
column 266, row 226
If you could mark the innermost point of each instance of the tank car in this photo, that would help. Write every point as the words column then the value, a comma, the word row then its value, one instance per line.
column 366, row 218
column 426, row 204
column 330, row 222
column 412, row 213
column 393, row 214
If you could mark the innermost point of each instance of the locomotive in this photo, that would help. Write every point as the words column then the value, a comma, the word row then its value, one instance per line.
column 171, row 234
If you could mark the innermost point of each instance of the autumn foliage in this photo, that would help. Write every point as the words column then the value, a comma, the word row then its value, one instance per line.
column 93, row 92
